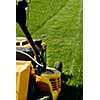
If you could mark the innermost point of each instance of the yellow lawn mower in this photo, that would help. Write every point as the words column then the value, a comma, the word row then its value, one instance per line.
column 34, row 79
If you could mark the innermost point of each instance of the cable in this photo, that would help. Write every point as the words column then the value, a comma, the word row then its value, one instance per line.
column 30, row 57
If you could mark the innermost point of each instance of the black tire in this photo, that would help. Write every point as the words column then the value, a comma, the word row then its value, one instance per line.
column 44, row 95
column 58, row 66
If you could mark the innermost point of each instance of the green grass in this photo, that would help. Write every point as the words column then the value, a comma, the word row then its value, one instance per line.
column 59, row 24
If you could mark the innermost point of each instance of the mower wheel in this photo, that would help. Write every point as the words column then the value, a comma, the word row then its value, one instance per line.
column 58, row 66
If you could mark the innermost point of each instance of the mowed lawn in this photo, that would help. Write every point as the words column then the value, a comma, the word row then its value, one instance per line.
column 59, row 24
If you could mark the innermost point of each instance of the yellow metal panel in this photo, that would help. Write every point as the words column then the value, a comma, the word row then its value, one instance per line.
column 46, row 79
column 22, row 79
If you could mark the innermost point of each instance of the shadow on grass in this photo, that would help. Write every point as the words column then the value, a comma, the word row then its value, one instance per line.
column 70, row 92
